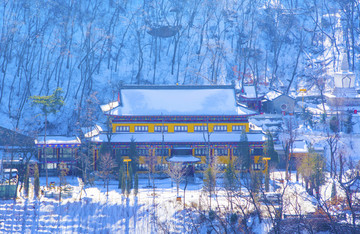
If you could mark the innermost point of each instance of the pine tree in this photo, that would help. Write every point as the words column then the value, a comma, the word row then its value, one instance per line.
column 230, row 177
column 120, row 177
column 134, row 156
column 244, row 159
column 210, row 181
column 26, row 182
column 267, row 180
column 349, row 123
column 269, row 149
column 36, row 181
column 123, row 183
column 136, row 184
column 230, row 184
column 128, row 186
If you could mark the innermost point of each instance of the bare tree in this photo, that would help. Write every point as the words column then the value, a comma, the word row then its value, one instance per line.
column 107, row 165
column 176, row 172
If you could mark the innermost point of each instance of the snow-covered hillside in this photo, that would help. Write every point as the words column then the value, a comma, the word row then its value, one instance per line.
column 93, row 46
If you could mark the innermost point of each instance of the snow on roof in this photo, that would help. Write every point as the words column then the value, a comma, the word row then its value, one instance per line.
column 186, row 100
column 91, row 131
column 183, row 158
column 109, row 106
column 178, row 137
column 300, row 147
column 52, row 140
column 272, row 95
column 249, row 91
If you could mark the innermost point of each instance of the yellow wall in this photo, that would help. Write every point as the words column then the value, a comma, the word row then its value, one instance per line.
column 171, row 126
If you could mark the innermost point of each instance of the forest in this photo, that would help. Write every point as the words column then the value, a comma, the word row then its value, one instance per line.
column 94, row 47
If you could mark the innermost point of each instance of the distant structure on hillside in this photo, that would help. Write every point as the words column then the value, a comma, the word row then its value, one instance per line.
column 344, row 92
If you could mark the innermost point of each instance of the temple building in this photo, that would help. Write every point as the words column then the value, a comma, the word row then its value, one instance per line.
column 178, row 124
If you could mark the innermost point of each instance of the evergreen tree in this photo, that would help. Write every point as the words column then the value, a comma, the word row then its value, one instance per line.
column 210, row 181
column 230, row 177
column 26, row 182
column 334, row 124
column 349, row 123
column 48, row 105
column 136, row 184
column 36, row 181
column 123, row 183
column 256, row 181
column 244, row 159
column 269, row 149
column 134, row 156
column 230, row 184
column 128, row 186
column 120, row 177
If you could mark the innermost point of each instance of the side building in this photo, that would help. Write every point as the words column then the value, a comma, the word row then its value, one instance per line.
column 178, row 124
column 57, row 152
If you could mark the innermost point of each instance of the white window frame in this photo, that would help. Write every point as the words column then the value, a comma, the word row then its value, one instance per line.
column 220, row 128
column 238, row 128
column 200, row 128
column 161, row 128
column 122, row 129
column 180, row 128
column 141, row 128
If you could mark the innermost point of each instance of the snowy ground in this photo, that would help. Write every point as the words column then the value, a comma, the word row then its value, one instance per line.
column 98, row 213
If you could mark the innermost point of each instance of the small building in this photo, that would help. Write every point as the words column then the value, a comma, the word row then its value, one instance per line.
column 299, row 150
column 57, row 151
column 277, row 103
column 247, row 95
column 14, row 148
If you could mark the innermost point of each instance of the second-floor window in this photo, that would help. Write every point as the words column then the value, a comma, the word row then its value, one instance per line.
column 161, row 128
column 122, row 128
column 221, row 152
column 141, row 128
column 200, row 128
column 180, row 128
column 237, row 128
column 220, row 128
column 201, row 151
column 143, row 152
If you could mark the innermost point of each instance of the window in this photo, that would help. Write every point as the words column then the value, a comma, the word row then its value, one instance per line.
column 258, row 166
column 200, row 128
column 180, row 128
column 161, row 167
column 122, row 128
column 141, row 128
column 256, row 151
column 237, row 128
column 51, row 166
column 161, row 128
column 122, row 152
column 50, row 153
column 66, row 153
column 221, row 152
column 200, row 152
column 220, row 128
column 142, row 167
column 161, row 152
column 143, row 152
